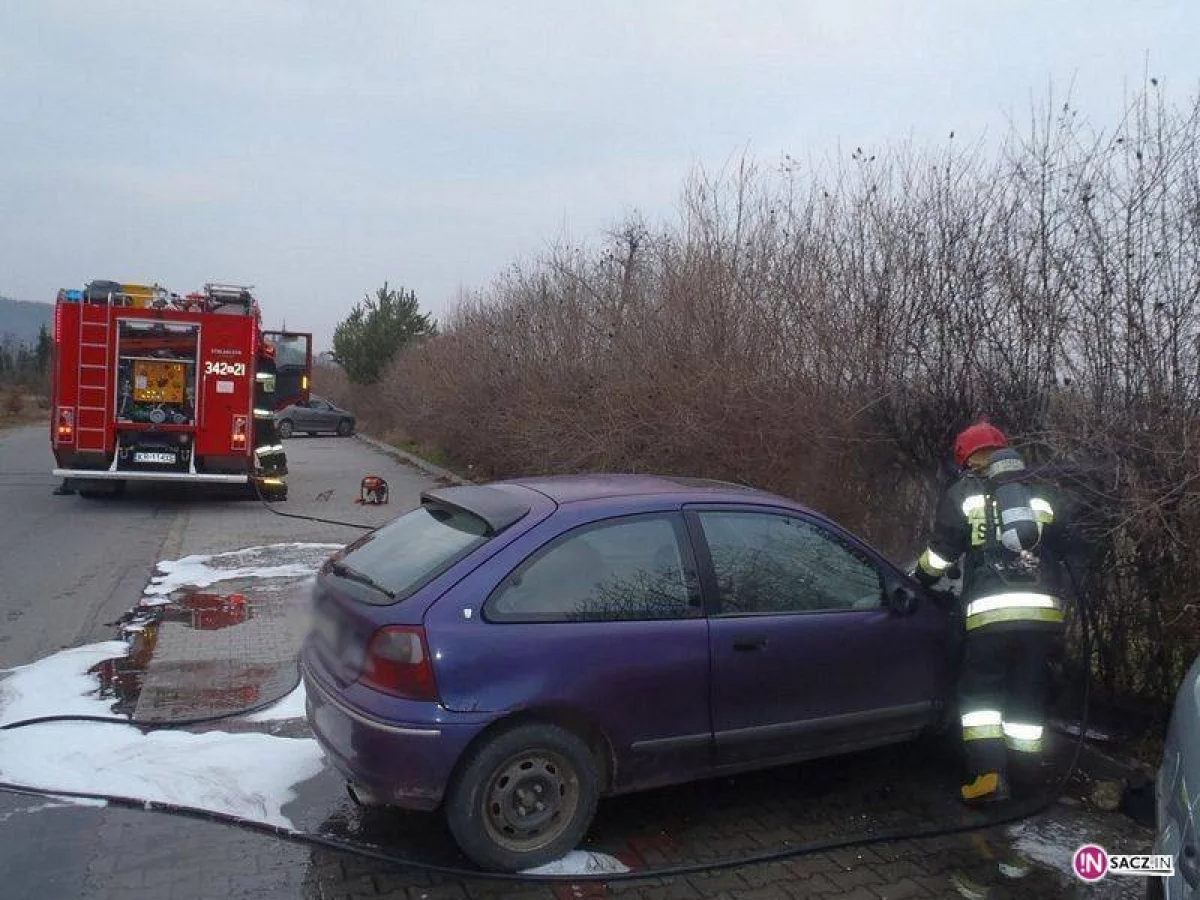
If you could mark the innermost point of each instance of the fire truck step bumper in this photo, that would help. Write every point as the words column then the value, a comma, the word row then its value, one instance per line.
column 198, row 478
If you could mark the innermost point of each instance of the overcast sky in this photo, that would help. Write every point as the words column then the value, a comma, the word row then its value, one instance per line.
column 315, row 149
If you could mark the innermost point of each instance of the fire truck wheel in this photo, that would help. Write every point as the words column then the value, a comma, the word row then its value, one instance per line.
column 101, row 490
column 285, row 428
column 274, row 493
column 345, row 428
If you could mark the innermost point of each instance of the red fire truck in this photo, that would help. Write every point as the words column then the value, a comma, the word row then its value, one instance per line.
column 154, row 386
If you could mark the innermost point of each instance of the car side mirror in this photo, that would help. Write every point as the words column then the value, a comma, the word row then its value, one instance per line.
column 901, row 601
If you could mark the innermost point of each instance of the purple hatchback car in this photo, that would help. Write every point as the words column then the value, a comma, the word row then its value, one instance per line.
column 513, row 652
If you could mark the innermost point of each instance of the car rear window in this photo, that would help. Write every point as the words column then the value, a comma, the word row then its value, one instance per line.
column 409, row 552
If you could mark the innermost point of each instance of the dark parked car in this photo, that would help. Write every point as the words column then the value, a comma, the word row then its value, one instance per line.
column 514, row 651
column 314, row 417
column 1178, row 801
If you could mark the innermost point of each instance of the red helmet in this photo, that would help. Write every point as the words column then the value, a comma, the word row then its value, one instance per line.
column 983, row 435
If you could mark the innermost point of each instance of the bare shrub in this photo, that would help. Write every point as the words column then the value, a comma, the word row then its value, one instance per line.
column 825, row 332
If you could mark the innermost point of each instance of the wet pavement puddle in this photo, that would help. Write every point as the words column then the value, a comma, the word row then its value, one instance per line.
column 212, row 683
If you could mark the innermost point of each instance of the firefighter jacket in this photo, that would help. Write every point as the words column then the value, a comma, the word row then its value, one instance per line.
column 1001, row 589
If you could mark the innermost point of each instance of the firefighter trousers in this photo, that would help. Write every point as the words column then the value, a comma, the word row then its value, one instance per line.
column 1002, row 695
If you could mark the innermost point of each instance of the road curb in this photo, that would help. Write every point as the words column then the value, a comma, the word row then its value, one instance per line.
column 411, row 459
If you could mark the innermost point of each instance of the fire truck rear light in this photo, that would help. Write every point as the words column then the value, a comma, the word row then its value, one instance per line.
column 238, row 440
column 66, row 425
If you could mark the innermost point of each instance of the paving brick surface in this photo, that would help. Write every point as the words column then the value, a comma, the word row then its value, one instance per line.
column 70, row 851
column 195, row 672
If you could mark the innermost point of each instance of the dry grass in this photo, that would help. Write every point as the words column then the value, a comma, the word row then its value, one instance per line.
column 18, row 409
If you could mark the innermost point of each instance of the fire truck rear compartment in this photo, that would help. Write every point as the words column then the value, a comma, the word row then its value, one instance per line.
column 150, row 386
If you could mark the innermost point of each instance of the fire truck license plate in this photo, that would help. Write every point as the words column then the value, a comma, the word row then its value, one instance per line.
column 145, row 457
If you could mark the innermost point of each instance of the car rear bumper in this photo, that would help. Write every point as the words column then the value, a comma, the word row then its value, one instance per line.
column 397, row 763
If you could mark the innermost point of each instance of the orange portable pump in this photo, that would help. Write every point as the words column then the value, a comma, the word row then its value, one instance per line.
column 374, row 490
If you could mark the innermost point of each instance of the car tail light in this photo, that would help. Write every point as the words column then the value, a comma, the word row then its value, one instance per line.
column 398, row 663
column 238, row 440
column 66, row 425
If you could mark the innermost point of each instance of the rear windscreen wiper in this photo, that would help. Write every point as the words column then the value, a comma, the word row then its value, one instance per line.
column 344, row 571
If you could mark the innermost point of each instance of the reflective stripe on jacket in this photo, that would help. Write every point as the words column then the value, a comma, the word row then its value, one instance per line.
column 1013, row 606
column 990, row 596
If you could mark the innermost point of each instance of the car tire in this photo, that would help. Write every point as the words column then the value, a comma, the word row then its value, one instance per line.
column 345, row 428
column 285, row 428
column 524, row 798
column 275, row 493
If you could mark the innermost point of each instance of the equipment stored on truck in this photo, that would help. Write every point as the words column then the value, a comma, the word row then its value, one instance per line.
column 149, row 385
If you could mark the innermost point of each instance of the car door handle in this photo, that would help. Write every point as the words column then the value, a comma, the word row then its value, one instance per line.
column 750, row 644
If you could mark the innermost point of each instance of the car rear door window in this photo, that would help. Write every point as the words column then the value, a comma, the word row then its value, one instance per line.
column 771, row 563
column 625, row 569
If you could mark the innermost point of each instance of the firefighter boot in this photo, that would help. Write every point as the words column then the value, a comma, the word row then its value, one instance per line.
column 988, row 787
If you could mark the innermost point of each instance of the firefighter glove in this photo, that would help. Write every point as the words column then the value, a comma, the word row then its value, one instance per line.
column 925, row 578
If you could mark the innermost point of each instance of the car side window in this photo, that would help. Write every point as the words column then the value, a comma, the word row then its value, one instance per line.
column 771, row 563
column 631, row 568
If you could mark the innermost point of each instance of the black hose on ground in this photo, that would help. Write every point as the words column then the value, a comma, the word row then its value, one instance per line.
column 154, row 726
column 343, row 845
column 272, row 509
column 1015, row 813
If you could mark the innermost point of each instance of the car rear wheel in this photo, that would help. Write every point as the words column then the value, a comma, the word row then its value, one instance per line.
column 285, row 428
column 345, row 427
column 524, row 798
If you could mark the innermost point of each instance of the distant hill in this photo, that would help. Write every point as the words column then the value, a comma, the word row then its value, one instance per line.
column 20, row 319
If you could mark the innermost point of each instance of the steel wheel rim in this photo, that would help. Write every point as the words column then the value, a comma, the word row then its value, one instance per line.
column 530, row 800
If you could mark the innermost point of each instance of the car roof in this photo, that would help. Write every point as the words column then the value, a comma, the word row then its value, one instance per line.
column 575, row 488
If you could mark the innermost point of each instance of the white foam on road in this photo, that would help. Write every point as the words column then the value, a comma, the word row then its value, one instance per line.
column 204, row 570
column 290, row 706
column 248, row 775
column 58, row 685
column 1053, row 842
column 581, row 862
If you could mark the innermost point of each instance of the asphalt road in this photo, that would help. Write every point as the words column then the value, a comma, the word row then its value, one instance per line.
column 69, row 565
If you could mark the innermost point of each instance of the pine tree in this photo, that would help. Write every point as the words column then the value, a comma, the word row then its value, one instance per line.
column 376, row 329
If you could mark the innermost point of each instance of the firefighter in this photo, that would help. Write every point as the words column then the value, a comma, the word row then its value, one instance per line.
column 996, row 526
